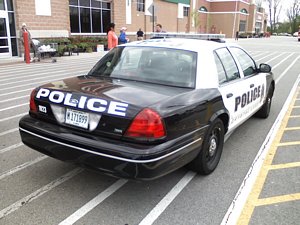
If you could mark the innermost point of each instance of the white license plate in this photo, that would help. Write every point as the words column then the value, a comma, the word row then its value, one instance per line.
column 77, row 118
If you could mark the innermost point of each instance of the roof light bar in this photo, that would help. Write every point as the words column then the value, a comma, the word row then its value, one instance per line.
column 213, row 37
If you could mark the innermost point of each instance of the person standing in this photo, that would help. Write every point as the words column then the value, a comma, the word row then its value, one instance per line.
column 112, row 38
column 237, row 35
column 140, row 34
column 122, row 38
column 25, row 29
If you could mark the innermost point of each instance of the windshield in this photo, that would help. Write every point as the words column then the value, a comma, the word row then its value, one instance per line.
column 149, row 64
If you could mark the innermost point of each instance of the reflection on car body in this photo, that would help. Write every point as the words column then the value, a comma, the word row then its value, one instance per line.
column 150, row 107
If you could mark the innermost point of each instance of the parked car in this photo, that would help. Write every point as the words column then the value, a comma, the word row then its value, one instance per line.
column 295, row 34
column 148, row 108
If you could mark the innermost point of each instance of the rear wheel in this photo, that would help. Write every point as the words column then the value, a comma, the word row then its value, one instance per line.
column 211, row 151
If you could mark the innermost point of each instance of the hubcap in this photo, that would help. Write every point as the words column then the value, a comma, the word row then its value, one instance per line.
column 212, row 146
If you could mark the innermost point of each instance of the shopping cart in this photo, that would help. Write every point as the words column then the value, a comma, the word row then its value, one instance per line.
column 41, row 50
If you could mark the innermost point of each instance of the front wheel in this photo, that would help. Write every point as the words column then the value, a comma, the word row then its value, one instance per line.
column 266, row 107
column 212, row 146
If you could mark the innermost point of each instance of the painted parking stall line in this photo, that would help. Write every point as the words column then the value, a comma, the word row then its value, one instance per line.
column 254, row 199
column 94, row 202
column 29, row 198
column 238, row 204
column 168, row 199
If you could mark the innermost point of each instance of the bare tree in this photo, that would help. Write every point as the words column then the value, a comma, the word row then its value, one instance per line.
column 259, row 2
column 274, row 11
column 292, row 13
column 270, row 2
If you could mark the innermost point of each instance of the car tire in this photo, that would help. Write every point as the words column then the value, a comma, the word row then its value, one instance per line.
column 210, row 153
column 266, row 107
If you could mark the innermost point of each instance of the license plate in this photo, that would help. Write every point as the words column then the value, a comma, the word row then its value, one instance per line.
column 77, row 118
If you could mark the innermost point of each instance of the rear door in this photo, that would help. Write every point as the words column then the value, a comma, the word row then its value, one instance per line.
column 241, row 89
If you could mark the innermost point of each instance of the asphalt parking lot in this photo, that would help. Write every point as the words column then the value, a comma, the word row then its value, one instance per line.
column 257, row 181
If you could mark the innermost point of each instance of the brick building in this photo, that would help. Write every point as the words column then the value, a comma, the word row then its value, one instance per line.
column 65, row 18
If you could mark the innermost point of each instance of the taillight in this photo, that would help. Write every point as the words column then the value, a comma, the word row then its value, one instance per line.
column 32, row 104
column 146, row 124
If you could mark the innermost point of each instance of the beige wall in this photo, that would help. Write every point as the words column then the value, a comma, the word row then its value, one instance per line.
column 57, row 23
column 214, row 21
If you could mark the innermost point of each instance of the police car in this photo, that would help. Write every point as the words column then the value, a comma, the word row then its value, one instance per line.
column 150, row 107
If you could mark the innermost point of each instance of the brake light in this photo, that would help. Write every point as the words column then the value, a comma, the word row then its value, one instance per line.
column 146, row 124
column 32, row 104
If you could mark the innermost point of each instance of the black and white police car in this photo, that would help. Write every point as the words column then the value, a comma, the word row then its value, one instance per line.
column 150, row 107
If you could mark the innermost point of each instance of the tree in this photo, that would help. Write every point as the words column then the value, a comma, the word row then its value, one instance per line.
column 293, row 13
column 274, row 11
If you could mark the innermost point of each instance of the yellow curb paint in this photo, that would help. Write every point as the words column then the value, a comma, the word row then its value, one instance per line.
column 253, row 198
column 289, row 143
column 278, row 199
column 292, row 128
column 284, row 166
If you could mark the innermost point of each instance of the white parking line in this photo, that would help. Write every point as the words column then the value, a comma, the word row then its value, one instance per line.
column 22, row 166
column 32, row 71
column 94, row 202
column 9, row 131
column 15, row 106
column 241, row 196
column 11, row 147
column 268, row 56
column 43, row 82
column 285, row 71
column 15, row 92
column 275, row 58
column 13, row 117
column 29, row 198
column 282, row 61
column 167, row 200
column 12, row 99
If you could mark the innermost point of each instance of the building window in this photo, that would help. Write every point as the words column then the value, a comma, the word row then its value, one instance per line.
column 140, row 5
column 242, row 27
column 244, row 11
column 89, row 16
column 185, row 11
column 202, row 9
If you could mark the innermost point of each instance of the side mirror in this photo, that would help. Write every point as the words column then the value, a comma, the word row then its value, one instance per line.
column 265, row 68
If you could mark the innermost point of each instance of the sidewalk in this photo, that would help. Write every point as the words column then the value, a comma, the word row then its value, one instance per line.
column 11, row 60
column 19, row 60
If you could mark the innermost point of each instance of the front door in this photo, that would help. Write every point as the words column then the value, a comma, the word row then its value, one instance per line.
column 5, row 49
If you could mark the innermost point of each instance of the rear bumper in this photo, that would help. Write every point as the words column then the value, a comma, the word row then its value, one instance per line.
column 113, row 157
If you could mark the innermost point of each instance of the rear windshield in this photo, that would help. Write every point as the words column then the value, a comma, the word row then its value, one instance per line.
column 149, row 64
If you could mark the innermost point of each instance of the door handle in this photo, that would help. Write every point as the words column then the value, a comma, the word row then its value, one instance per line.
column 229, row 95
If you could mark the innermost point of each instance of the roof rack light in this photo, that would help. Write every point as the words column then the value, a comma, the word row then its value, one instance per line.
column 212, row 37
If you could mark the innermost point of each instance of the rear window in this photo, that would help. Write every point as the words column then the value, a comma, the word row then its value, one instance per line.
column 149, row 64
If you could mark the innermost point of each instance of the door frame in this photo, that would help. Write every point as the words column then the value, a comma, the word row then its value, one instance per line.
column 4, row 15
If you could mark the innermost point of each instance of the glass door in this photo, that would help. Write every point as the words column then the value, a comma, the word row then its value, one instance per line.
column 5, row 49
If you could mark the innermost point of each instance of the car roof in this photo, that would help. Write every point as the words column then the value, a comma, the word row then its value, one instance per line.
column 179, row 43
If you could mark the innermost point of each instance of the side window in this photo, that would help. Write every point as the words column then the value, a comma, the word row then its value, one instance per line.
column 220, row 70
column 228, row 64
column 247, row 63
